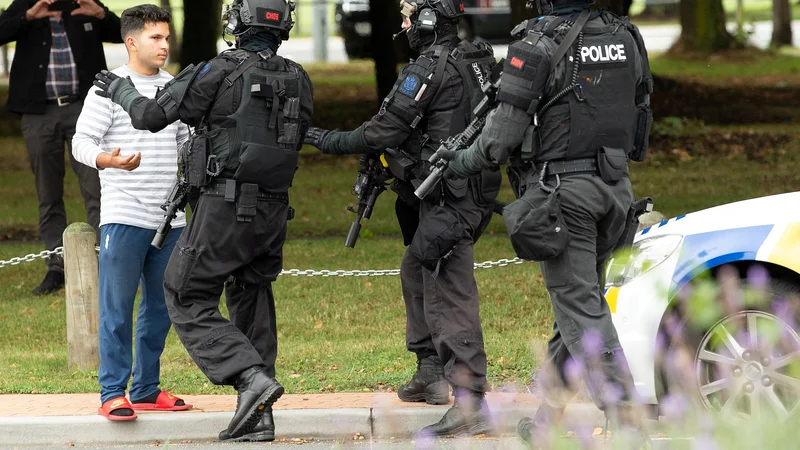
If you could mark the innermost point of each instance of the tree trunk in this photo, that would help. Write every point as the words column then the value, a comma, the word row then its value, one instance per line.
column 384, row 17
column 174, row 44
column 660, row 11
column 702, row 28
column 201, row 27
column 781, row 23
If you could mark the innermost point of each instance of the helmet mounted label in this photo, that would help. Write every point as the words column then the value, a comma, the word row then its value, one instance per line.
column 269, row 16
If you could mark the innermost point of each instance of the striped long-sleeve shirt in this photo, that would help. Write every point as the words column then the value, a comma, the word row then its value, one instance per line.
column 130, row 198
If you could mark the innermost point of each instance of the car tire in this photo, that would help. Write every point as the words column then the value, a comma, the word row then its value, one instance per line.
column 738, row 366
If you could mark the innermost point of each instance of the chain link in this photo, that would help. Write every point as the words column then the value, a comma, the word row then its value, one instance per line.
column 291, row 272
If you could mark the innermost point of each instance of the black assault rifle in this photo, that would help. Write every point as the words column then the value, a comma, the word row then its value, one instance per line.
column 465, row 138
column 176, row 201
column 370, row 183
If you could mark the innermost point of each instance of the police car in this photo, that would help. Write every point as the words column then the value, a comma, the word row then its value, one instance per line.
column 741, row 350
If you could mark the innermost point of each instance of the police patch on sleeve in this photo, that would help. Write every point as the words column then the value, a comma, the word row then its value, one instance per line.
column 203, row 71
column 410, row 86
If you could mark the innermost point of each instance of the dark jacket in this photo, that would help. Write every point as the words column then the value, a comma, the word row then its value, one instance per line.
column 29, row 69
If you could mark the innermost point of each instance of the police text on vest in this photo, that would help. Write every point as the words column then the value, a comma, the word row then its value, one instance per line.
column 602, row 53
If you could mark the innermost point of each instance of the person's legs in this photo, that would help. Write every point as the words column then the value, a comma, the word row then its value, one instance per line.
column 428, row 383
column 120, row 267
column 46, row 156
column 213, row 246
column 152, row 324
column 88, row 178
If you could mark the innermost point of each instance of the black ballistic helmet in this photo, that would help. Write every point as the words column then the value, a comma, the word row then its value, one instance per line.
column 429, row 16
column 545, row 7
column 245, row 17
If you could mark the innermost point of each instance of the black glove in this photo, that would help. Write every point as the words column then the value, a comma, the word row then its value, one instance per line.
column 316, row 136
column 455, row 167
column 119, row 90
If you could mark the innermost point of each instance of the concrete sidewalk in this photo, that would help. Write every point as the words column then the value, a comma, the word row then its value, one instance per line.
column 34, row 419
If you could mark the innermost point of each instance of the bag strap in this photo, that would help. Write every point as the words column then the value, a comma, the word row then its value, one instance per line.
column 570, row 38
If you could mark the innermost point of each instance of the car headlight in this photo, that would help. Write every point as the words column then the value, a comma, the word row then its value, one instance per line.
column 640, row 258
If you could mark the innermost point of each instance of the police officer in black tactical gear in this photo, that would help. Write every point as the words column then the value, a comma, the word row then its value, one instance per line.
column 251, row 109
column 577, row 119
column 431, row 100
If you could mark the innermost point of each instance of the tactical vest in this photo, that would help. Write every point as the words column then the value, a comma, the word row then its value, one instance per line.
column 600, row 108
column 258, row 142
column 473, row 64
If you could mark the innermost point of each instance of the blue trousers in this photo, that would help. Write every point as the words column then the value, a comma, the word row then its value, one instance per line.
column 126, row 259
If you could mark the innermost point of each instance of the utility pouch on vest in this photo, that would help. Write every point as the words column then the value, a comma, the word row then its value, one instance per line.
column 486, row 186
column 272, row 168
column 246, row 203
column 536, row 226
column 641, row 137
column 611, row 164
column 437, row 235
column 456, row 188
column 401, row 165
column 193, row 158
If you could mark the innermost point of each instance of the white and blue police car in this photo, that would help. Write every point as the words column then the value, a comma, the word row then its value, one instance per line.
column 744, row 360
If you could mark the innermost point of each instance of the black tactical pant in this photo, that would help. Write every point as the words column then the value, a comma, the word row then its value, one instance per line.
column 213, row 247
column 583, row 332
column 442, row 311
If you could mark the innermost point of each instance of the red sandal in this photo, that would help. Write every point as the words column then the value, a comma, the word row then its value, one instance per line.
column 164, row 402
column 116, row 404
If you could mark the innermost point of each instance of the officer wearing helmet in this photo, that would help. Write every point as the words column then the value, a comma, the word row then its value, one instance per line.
column 431, row 100
column 568, row 118
column 250, row 109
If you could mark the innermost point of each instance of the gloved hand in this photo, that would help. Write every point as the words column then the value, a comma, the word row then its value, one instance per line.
column 316, row 137
column 455, row 167
column 119, row 90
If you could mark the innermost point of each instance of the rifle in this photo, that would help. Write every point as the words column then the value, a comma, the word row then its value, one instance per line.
column 370, row 183
column 465, row 138
column 176, row 200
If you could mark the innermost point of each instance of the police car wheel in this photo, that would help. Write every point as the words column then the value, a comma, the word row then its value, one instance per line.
column 744, row 366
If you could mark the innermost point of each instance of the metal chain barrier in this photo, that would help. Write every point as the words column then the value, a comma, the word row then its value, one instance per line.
column 291, row 272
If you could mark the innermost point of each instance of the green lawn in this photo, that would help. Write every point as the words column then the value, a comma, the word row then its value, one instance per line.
column 334, row 331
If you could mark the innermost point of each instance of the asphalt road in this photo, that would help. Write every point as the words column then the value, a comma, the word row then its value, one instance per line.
column 657, row 39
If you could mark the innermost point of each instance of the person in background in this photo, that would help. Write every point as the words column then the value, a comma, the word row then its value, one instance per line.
column 57, row 54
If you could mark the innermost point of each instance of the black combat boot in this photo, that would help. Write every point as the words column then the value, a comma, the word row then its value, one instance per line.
column 257, row 392
column 428, row 383
column 470, row 415
column 533, row 430
column 263, row 432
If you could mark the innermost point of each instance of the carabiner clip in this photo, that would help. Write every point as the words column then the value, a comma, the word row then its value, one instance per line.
column 543, row 186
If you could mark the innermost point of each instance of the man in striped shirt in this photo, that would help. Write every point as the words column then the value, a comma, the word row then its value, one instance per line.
column 137, row 169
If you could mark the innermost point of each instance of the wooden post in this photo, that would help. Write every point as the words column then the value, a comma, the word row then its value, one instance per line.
column 83, row 309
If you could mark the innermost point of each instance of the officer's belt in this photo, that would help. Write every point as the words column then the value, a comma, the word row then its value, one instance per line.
column 572, row 166
column 218, row 188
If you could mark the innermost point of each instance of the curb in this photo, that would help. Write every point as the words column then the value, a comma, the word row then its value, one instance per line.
column 323, row 424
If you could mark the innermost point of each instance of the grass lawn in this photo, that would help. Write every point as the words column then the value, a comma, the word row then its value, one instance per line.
column 334, row 331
